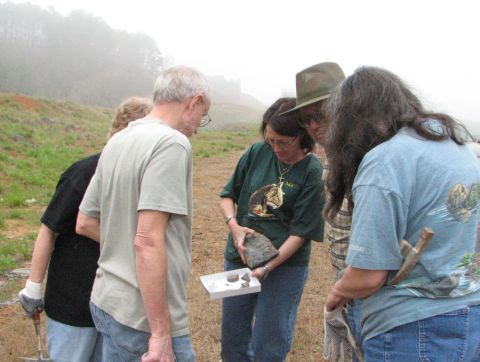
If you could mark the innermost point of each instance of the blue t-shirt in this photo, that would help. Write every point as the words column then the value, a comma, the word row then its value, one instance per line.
column 402, row 186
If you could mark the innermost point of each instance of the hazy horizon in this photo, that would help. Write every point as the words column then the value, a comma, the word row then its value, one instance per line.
column 429, row 44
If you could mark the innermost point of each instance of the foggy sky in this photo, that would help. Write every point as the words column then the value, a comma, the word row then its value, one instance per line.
column 432, row 45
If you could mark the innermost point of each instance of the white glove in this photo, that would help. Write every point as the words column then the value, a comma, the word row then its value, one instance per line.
column 339, row 342
column 31, row 297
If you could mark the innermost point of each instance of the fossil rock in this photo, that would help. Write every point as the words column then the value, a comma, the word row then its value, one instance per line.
column 233, row 278
column 259, row 250
column 246, row 277
column 245, row 284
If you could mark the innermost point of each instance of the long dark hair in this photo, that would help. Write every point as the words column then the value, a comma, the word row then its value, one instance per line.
column 287, row 124
column 369, row 108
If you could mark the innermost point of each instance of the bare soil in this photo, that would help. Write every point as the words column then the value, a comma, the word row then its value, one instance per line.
column 26, row 103
column 17, row 335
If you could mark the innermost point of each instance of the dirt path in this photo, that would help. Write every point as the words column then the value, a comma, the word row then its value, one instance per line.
column 17, row 336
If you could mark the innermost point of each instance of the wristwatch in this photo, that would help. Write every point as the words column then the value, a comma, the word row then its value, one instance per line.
column 228, row 218
column 265, row 270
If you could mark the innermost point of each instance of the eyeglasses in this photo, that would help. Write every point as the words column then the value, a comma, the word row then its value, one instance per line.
column 206, row 119
column 316, row 116
column 280, row 143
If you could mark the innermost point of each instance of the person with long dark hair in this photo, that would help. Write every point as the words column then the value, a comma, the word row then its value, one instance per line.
column 275, row 190
column 404, row 168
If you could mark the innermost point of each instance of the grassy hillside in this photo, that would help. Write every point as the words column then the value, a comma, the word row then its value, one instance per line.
column 39, row 138
column 228, row 116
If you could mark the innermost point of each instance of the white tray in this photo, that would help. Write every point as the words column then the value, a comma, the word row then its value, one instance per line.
column 218, row 286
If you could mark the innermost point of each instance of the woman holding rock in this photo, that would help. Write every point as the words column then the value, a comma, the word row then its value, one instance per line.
column 275, row 190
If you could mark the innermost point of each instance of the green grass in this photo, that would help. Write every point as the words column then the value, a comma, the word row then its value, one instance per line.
column 14, row 251
column 37, row 143
column 10, row 289
column 217, row 143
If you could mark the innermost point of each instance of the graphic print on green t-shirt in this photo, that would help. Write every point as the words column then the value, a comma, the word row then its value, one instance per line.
column 269, row 196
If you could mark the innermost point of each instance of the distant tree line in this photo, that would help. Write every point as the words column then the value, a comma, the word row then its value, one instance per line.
column 229, row 91
column 82, row 59
column 76, row 57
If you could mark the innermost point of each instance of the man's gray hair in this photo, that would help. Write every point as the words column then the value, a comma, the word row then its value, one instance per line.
column 179, row 83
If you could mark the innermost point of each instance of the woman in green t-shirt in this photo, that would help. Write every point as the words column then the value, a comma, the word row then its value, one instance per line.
column 275, row 190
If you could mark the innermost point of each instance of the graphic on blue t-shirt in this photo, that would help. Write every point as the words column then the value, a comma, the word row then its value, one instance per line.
column 269, row 196
column 461, row 203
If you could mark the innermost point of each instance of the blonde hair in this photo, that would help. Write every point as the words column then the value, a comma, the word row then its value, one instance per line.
column 129, row 110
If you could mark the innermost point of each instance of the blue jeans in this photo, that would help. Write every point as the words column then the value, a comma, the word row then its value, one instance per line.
column 260, row 326
column 453, row 336
column 66, row 343
column 353, row 319
column 124, row 344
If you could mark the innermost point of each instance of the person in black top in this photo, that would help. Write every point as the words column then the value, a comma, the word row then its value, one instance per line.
column 71, row 258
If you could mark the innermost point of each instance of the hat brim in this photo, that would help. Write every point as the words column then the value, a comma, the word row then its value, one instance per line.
column 306, row 103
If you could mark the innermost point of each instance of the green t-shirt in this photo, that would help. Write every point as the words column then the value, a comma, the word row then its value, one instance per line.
column 277, row 210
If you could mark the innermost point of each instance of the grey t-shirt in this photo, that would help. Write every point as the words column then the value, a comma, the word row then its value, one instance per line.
column 147, row 166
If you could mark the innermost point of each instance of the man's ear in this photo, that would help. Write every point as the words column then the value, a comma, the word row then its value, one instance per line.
column 198, row 99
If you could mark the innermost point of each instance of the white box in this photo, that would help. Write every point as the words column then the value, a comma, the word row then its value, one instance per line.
column 218, row 286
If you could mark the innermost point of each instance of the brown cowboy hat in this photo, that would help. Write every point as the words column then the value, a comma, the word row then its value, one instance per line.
column 316, row 83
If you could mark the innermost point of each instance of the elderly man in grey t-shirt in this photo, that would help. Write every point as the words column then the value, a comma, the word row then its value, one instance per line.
column 139, row 206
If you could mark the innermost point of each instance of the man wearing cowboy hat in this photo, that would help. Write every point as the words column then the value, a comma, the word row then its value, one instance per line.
column 314, row 85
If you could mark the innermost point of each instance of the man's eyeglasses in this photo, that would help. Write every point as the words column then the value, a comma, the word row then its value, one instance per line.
column 206, row 119
column 280, row 143
column 316, row 116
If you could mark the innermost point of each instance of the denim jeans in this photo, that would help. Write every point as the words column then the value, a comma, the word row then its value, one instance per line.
column 353, row 318
column 124, row 344
column 453, row 336
column 66, row 343
column 260, row 326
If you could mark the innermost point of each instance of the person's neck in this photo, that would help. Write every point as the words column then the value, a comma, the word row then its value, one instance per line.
column 169, row 113
column 295, row 158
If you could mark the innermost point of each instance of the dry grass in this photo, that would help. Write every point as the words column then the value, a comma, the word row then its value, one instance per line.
column 17, row 337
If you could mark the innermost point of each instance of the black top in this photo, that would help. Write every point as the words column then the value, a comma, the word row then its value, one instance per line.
column 74, row 260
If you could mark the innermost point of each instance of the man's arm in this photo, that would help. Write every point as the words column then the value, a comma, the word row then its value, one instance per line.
column 355, row 283
column 152, row 271
column 88, row 226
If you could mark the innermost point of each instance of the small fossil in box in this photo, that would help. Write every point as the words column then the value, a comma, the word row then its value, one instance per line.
column 245, row 284
column 246, row 277
column 232, row 278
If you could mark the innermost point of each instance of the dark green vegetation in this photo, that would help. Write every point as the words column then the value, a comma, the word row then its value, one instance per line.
column 40, row 138
column 76, row 57
column 80, row 58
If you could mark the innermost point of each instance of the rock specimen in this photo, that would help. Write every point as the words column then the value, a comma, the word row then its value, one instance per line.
column 233, row 278
column 259, row 250
column 246, row 277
